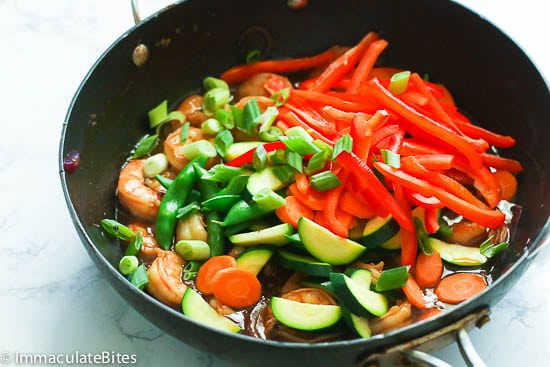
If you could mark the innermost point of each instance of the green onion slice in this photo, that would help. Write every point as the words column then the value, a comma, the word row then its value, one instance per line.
column 145, row 146
column 259, row 158
column 211, row 83
column 488, row 249
column 140, row 278
column 344, row 143
column 284, row 173
column 116, row 229
column 215, row 98
column 193, row 250
column 188, row 210
column 391, row 158
column 399, row 82
column 299, row 145
column 128, row 264
column 221, row 173
column 135, row 245
column 393, row 278
column 268, row 200
column 324, row 181
column 199, row 148
column 184, row 133
column 225, row 118
column 253, row 56
column 294, row 160
column 318, row 161
column 223, row 141
column 281, row 96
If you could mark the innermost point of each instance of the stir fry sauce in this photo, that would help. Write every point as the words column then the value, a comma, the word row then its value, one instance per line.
column 349, row 202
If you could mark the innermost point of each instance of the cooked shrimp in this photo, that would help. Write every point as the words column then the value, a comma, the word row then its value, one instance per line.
column 375, row 269
column 263, row 102
column 191, row 228
column 149, row 247
column 172, row 146
column 398, row 316
column 467, row 233
column 255, row 86
column 314, row 296
column 134, row 195
column 191, row 107
column 165, row 282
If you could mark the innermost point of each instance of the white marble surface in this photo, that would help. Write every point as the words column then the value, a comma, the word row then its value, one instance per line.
column 52, row 299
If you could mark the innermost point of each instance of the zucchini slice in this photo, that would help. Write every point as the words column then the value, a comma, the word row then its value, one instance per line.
column 359, row 324
column 303, row 264
column 237, row 149
column 275, row 235
column 255, row 259
column 304, row 316
column 262, row 179
column 379, row 230
column 325, row 245
column 458, row 254
column 196, row 308
column 357, row 296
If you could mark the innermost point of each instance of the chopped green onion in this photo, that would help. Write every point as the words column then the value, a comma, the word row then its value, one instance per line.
column 215, row 98
column 318, row 161
column 391, row 158
column 253, row 56
column 278, row 157
column 324, row 181
column 444, row 229
column 284, row 173
column 299, row 145
column 211, row 126
column 145, row 146
column 426, row 77
column 422, row 236
column 140, row 278
column 294, row 160
column 211, row 83
column 225, row 118
column 399, row 82
column 259, row 158
column 190, row 270
column 273, row 133
column 235, row 186
column 268, row 199
column 128, row 265
column 250, row 112
column 193, row 249
column 344, row 143
column 280, row 97
column 158, row 114
column 299, row 132
column 164, row 181
column 322, row 145
column 266, row 119
column 221, row 203
column 117, row 229
column 188, row 210
column 184, row 133
column 222, row 141
column 221, row 173
column 238, row 117
column 197, row 149
column 135, row 245
column 488, row 249
column 393, row 278
column 155, row 165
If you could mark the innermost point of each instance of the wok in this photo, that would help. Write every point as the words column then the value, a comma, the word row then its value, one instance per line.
column 488, row 74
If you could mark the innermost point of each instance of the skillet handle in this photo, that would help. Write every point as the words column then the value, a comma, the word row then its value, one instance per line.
column 415, row 350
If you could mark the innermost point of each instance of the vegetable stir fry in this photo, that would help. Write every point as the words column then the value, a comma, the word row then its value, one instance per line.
column 277, row 208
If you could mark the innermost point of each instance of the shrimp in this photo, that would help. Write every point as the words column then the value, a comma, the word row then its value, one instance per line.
column 375, row 269
column 172, row 146
column 314, row 296
column 148, row 249
column 134, row 195
column 398, row 316
column 256, row 85
column 191, row 228
column 191, row 107
column 165, row 282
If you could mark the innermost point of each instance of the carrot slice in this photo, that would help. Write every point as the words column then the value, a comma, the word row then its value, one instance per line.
column 332, row 200
column 240, row 73
column 209, row 269
column 292, row 211
column 414, row 293
column 428, row 313
column 236, row 287
column 350, row 204
column 459, row 287
column 508, row 184
column 428, row 269
column 313, row 200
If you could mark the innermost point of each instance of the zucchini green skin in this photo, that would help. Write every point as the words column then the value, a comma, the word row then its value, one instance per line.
column 379, row 230
column 303, row 264
column 196, row 308
column 326, row 246
column 357, row 297
column 458, row 254
column 255, row 259
column 269, row 236
column 359, row 324
column 305, row 316
column 262, row 179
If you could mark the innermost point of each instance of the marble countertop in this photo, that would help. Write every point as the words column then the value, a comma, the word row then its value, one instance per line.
column 52, row 298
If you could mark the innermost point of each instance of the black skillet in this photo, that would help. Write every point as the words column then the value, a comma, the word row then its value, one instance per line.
column 488, row 74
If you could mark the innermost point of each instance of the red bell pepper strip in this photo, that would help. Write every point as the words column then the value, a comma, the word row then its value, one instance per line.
column 361, row 134
column 432, row 128
column 392, row 142
column 246, row 157
column 384, row 132
column 414, row 98
column 477, row 132
column 332, row 199
column 486, row 217
column 412, row 146
column 423, row 201
column 308, row 84
column 501, row 163
column 340, row 67
column 431, row 217
column 484, row 181
column 302, row 108
column 379, row 194
column 350, row 204
column 291, row 119
column 334, row 101
column 361, row 73
column 413, row 167
column 313, row 200
column 438, row 162
column 240, row 73
column 409, row 240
